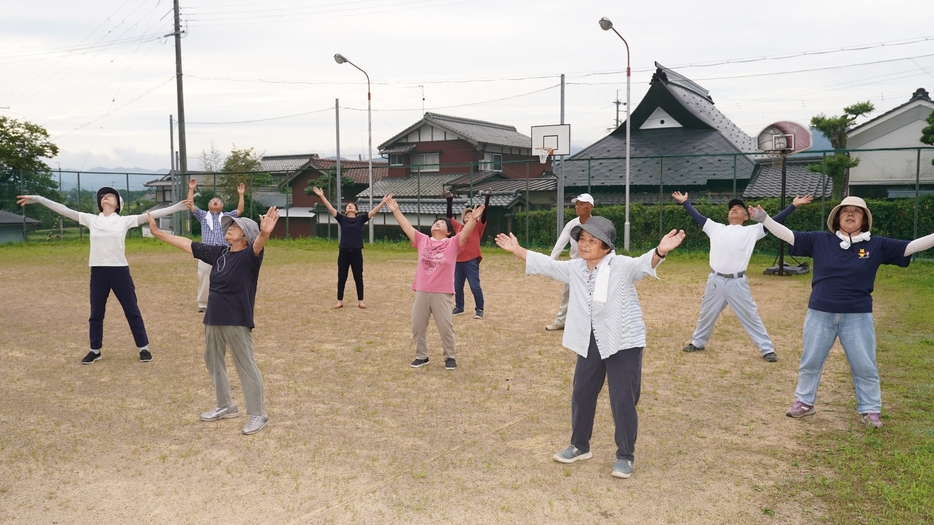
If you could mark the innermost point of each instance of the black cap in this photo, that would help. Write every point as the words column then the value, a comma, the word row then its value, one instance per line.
column 736, row 202
column 104, row 191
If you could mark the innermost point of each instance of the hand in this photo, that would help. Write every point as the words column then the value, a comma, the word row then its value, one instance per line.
column 477, row 212
column 486, row 192
column 799, row 201
column 391, row 203
column 680, row 197
column 153, row 228
column 268, row 222
column 670, row 241
column 190, row 203
column 448, row 195
column 192, row 184
column 241, row 189
column 758, row 214
column 23, row 200
column 318, row 191
column 508, row 242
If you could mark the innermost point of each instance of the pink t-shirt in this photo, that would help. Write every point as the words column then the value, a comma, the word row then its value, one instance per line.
column 435, row 269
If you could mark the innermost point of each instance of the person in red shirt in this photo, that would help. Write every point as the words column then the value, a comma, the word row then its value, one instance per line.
column 468, row 260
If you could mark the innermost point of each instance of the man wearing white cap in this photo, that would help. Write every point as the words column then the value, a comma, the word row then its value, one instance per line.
column 583, row 205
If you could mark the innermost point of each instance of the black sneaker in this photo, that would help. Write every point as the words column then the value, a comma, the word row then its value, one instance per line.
column 90, row 358
column 457, row 311
column 145, row 356
column 770, row 357
column 691, row 348
column 450, row 364
column 418, row 363
column 478, row 315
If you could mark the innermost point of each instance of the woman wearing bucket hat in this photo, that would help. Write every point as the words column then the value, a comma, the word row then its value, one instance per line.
column 604, row 327
column 109, row 267
column 229, row 317
column 846, row 260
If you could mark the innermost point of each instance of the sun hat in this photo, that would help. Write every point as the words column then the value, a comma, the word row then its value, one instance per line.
column 849, row 201
column 583, row 197
column 600, row 227
column 249, row 227
column 104, row 191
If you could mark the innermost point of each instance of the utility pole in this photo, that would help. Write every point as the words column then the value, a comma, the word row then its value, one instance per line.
column 182, row 149
column 618, row 103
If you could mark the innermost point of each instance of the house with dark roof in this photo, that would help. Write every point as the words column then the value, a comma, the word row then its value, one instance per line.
column 888, row 174
column 13, row 227
column 767, row 177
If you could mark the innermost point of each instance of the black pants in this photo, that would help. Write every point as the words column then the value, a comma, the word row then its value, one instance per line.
column 350, row 258
column 116, row 278
column 623, row 372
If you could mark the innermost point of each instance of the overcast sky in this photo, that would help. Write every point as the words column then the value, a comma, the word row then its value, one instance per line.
column 99, row 75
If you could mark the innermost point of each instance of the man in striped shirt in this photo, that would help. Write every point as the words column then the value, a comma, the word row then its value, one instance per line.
column 212, row 233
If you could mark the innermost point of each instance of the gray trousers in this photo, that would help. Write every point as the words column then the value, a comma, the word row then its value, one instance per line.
column 723, row 291
column 563, row 309
column 204, row 283
column 424, row 306
column 240, row 341
column 623, row 372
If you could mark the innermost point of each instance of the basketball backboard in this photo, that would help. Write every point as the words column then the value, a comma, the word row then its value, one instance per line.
column 556, row 137
column 784, row 138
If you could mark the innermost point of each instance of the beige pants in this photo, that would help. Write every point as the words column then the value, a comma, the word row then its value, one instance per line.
column 217, row 339
column 425, row 305
column 204, row 283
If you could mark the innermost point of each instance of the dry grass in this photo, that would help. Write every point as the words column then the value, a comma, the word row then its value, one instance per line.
column 356, row 436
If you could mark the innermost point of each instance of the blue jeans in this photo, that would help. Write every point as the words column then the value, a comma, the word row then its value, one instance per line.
column 469, row 270
column 858, row 337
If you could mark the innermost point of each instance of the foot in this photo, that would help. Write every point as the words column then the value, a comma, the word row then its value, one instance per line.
column 554, row 327
column 770, row 357
column 220, row 413
column 571, row 454
column 361, row 305
column 457, row 311
column 691, row 348
column 622, row 468
column 340, row 304
column 478, row 315
column 418, row 363
column 800, row 409
column 145, row 356
column 90, row 358
column 201, row 309
column 871, row 419
column 255, row 424
column 450, row 364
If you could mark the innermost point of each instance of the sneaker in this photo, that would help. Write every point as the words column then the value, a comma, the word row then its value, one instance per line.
column 691, row 348
column 449, row 364
column 255, row 424
column 770, row 357
column 554, row 327
column 90, row 358
column 622, row 468
column 799, row 409
column 871, row 419
column 418, row 363
column 457, row 311
column 201, row 309
column 145, row 356
column 220, row 413
column 478, row 315
column 571, row 454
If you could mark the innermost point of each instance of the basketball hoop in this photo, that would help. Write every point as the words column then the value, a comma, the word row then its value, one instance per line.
column 543, row 154
column 777, row 156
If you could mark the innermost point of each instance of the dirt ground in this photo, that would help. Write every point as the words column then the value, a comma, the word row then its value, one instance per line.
column 357, row 436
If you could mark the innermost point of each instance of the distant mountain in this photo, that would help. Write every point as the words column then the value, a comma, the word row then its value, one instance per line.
column 94, row 178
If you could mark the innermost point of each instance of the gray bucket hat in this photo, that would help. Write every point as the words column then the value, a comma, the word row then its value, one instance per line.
column 600, row 227
column 249, row 227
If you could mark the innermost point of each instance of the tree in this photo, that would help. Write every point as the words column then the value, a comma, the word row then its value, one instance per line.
column 211, row 160
column 836, row 129
column 927, row 134
column 23, row 145
column 327, row 182
column 242, row 165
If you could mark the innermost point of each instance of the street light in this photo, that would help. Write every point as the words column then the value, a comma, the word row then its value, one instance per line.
column 339, row 58
column 606, row 25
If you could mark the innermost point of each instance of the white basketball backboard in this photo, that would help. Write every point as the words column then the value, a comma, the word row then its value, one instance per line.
column 557, row 137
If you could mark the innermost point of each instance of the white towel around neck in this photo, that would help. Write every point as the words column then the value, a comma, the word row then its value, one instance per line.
column 845, row 239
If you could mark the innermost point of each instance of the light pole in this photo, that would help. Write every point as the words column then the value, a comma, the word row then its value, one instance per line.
column 339, row 58
column 606, row 25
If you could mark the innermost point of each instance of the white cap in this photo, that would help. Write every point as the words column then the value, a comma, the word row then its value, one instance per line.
column 583, row 197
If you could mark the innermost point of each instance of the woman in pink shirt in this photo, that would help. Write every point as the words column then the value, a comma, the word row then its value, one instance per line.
column 434, row 280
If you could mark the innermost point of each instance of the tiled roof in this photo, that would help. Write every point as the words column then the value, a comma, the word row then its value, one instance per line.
column 474, row 131
column 12, row 218
column 434, row 206
column 920, row 95
column 358, row 170
column 411, row 186
column 798, row 181
column 285, row 163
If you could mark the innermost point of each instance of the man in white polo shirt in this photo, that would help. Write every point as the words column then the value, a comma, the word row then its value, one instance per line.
column 583, row 205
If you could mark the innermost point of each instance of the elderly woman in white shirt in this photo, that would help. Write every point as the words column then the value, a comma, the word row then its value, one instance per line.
column 604, row 327
column 109, row 267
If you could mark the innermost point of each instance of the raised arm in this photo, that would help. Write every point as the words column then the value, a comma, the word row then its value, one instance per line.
column 471, row 224
column 372, row 213
column 486, row 204
column 400, row 218
column 682, row 198
column 324, row 200
column 241, row 189
column 192, row 184
column 182, row 243
column 266, row 224
column 779, row 230
column 511, row 245
column 450, row 210
column 60, row 209
column 798, row 201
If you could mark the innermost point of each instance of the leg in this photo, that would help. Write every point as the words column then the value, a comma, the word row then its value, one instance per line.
column 100, row 290
column 240, row 341
column 421, row 310
column 441, row 311
column 343, row 263
column 624, row 378
column 472, row 272
column 858, row 337
column 214, row 350
column 459, row 277
column 204, row 283
column 125, row 290
column 356, row 265
column 740, row 300
column 819, row 335
column 563, row 309
column 713, row 302
column 589, row 375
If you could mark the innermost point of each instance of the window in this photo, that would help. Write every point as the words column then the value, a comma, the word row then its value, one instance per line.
column 423, row 162
column 492, row 161
column 395, row 159
column 166, row 195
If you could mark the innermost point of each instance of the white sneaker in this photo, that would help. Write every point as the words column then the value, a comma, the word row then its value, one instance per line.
column 255, row 424
column 220, row 413
column 554, row 327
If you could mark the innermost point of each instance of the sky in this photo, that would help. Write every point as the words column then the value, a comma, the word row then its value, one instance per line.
column 99, row 75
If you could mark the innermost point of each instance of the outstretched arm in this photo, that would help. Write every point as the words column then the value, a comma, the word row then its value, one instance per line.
column 266, row 224
column 779, row 230
column 175, row 208
column 920, row 244
column 324, row 200
column 511, row 245
column 798, row 201
column 241, row 189
column 669, row 242
column 192, row 184
column 471, row 224
column 182, row 243
column 372, row 213
column 400, row 217
column 60, row 209
column 682, row 198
